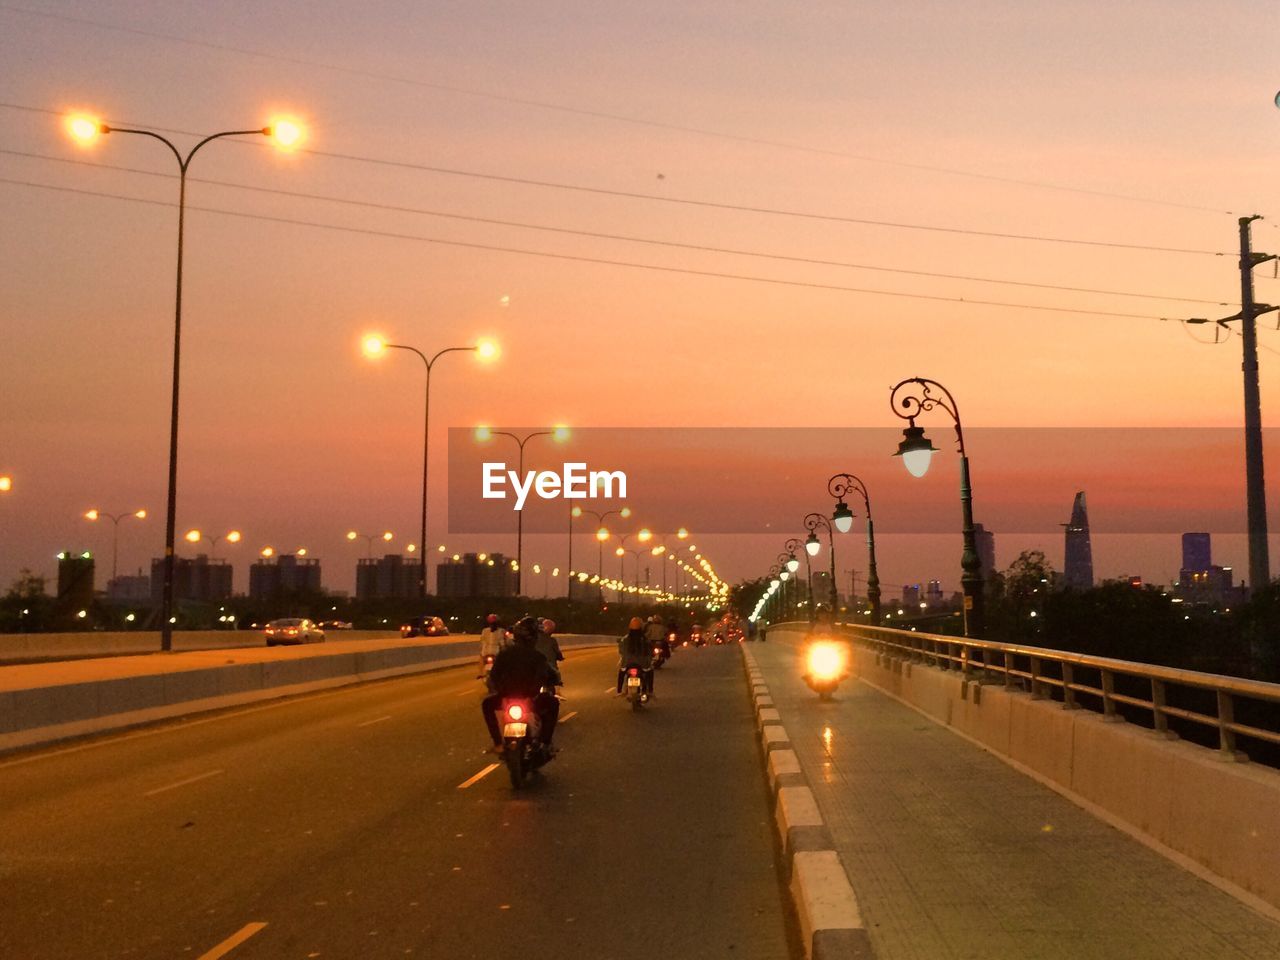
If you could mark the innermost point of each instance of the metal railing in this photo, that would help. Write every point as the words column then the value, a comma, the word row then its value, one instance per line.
column 1226, row 708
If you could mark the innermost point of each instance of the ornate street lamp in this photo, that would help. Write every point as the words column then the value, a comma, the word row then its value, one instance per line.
column 909, row 399
column 842, row 519
column 813, row 546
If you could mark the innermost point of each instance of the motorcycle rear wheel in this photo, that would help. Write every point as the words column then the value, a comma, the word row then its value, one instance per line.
column 514, row 755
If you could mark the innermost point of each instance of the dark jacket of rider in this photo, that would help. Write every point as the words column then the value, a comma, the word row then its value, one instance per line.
column 635, row 649
column 520, row 671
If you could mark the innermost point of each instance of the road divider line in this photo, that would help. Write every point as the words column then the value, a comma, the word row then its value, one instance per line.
column 369, row 723
column 478, row 777
column 569, row 716
column 182, row 783
column 233, row 941
column 469, row 692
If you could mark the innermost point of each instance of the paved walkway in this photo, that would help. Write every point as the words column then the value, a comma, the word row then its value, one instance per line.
column 954, row 854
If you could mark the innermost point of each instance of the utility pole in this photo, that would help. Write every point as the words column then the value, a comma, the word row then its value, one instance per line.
column 1255, row 489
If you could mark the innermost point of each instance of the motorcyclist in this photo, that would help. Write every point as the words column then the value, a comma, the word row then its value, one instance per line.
column 656, row 634
column 521, row 672
column 635, row 650
column 549, row 647
column 492, row 639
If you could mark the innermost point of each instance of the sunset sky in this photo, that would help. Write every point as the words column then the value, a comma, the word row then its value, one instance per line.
column 1142, row 125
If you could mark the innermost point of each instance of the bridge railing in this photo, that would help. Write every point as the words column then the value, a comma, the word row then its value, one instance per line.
column 1208, row 708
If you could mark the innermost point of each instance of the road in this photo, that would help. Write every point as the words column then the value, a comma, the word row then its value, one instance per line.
column 352, row 823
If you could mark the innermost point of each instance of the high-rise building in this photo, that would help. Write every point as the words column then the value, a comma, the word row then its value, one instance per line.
column 911, row 594
column 75, row 579
column 986, row 543
column 1077, row 570
column 129, row 588
column 284, row 575
column 203, row 579
column 476, row 575
column 933, row 593
column 1196, row 551
column 387, row 578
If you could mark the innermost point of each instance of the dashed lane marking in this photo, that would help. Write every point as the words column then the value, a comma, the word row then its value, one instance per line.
column 233, row 941
column 478, row 777
column 369, row 723
column 569, row 716
column 182, row 783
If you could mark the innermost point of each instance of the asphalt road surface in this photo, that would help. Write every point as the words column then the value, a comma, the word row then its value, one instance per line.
column 361, row 823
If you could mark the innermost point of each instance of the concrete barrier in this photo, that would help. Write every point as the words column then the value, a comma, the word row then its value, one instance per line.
column 48, row 702
column 1205, row 811
column 38, row 647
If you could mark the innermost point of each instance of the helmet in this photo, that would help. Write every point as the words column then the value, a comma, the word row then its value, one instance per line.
column 635, row 624
column 548, row 626
column 526, row 631
column 491, row 619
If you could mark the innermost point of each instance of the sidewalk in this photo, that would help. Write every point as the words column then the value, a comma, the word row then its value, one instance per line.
column 954, row 854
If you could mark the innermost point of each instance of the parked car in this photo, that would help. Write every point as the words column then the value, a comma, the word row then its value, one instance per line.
column 424, row 627
column 334, row 625
column 293, row 630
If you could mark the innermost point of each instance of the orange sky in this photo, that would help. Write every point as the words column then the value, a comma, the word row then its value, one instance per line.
column 290, row 434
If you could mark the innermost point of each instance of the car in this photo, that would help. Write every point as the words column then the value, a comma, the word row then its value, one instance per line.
column 424, row 627
column 293, row 630
column 334, row 625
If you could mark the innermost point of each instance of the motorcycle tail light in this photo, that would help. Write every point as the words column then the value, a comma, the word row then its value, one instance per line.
column 633, row 672
column 515, row 711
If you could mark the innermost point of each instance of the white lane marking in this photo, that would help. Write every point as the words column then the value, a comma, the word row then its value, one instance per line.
column 371, row 722
column 467, row 693
column 568, row 716
column 478, row 777
column 233, row 941
column 182, row 783
column 610, row 689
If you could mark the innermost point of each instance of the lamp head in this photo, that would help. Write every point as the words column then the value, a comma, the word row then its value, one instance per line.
column 560, row 433
column 811, row 544
column 91, row 514
column 233, row 536
column 624, row 512
column 487, row 350
column 484, row 434
column 286, row 133
column 84, row 129
column 792, row 563
column 193, row 536
column 602, row 534
column 374, row 345
column 351, row 534
column 916, row 450
column 842, row 517
column 140, row 514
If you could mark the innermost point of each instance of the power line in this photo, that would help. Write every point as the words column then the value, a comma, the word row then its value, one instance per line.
column 707, row 204
column 576, row 258
column 703, row 248
column 605, row 115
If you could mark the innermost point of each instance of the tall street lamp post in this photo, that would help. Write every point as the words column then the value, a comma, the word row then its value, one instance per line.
column 286, row 134
column 792, row 546
column 787, row 566
column 195, row 536
column 602, row 532
column 842, row 519
column 909, row 399
column 813, row 546
column 115, row 518
column 559, row 433
column 374, row 346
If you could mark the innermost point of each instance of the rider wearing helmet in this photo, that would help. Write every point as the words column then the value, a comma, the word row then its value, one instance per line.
column 634, row 650
column 549, row 647
column 492, row 639
column 520, row 671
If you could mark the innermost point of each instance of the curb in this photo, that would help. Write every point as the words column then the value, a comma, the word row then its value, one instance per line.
column 831, row 923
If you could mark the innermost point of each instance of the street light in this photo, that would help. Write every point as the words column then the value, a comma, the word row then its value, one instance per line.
column 6, row 483
column 115, row 518
column 602, row 532
column 812, row 546
column 286, row 134
column 791, row 546
column 195, row 536
column 558, row 433
column 908, row 400
column 368, row 538
column 842, row 518
column 374, row 346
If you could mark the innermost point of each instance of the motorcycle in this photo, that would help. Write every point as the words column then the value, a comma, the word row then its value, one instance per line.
column 826, row 664
column 635, row 687
column 486, row 668
column 522, row 748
